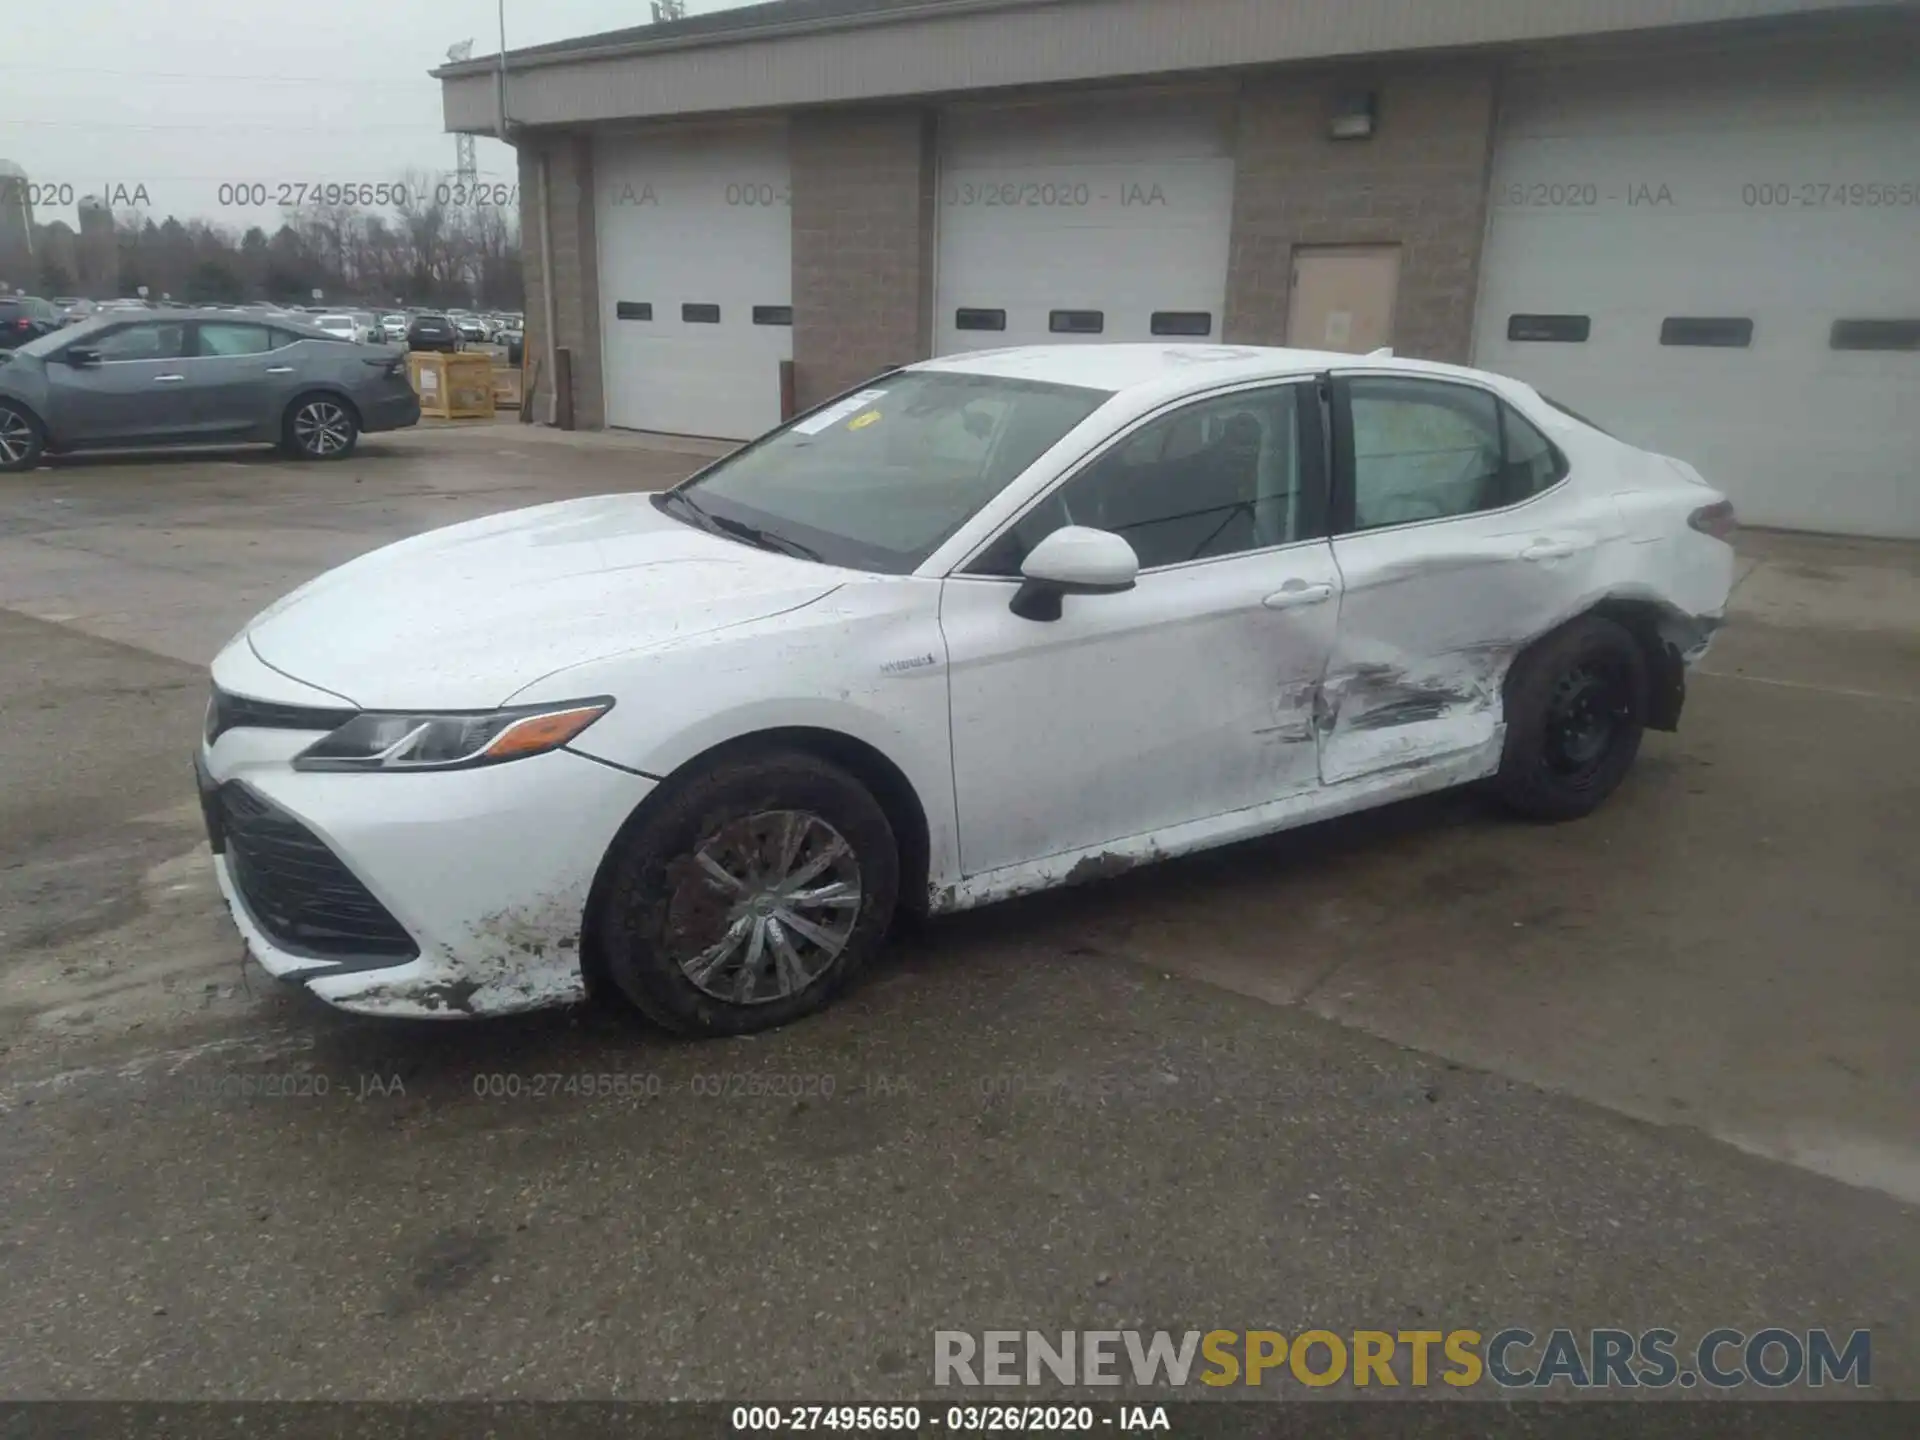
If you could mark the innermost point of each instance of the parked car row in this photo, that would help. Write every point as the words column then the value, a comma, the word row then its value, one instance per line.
column 363, row 325
column 26, row 317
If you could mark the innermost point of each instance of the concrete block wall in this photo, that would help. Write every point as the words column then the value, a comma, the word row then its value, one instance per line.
column 863, row 196
column 864, row 220
column 1420, row 183
column 576, row 269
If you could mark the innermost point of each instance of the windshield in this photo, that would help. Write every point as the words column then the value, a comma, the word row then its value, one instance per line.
column 878, row 479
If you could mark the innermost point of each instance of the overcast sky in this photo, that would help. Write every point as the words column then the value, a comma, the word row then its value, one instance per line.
column 183, row 95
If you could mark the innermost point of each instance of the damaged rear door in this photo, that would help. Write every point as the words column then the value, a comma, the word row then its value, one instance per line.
column 1457, row 542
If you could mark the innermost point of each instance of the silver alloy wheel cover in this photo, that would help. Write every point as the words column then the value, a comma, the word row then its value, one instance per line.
column 322, row 428
column 16, row 436
column 782, row 890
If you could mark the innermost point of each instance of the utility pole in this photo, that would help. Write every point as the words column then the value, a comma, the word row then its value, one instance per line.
column 466, row 172
column 500, row 82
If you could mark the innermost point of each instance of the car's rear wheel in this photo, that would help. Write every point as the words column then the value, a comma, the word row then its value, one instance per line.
column 1576, row 709
column 749, row 896
column 321, row 427
column 22, row 442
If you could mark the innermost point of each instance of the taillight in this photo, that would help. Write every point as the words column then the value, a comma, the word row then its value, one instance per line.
column 1716, row 520
column 23, row 323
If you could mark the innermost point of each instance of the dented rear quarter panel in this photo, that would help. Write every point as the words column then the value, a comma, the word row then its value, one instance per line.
column 1434, row 614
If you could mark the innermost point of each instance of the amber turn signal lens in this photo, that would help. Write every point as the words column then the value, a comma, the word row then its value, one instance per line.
column 542, row 732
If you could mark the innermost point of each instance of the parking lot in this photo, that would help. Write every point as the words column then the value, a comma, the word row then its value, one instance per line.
column 1426, row 1068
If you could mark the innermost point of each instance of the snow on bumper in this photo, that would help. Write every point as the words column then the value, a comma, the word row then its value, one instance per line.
column 487, row 869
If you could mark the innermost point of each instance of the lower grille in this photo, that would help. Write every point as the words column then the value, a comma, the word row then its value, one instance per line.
column 296, row 889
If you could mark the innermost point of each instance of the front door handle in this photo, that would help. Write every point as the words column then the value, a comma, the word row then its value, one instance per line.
column 1547, row 550
column 280, row 369
column 167, row 379
column 1295, row 594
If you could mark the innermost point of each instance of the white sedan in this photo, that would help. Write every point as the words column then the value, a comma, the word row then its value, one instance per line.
column 341, row 327
column 989, row 624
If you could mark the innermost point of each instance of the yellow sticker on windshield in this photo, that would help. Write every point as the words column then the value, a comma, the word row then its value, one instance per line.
column 860, row 422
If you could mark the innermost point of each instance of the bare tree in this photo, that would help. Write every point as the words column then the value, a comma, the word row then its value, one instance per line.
column 430, row 248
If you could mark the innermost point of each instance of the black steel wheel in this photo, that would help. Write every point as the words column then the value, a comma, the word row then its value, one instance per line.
column 1576, row 708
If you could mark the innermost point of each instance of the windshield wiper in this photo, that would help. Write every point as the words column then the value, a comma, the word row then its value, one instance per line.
column 739, row 529
column 701, row 518
column 765, row 539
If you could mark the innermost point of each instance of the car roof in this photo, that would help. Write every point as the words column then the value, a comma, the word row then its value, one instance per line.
column 297, row 323
column 1171, row 369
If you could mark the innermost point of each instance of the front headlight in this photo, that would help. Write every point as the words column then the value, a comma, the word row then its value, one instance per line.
column 377, row 741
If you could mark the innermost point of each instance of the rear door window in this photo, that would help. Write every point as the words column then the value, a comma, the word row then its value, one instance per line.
column 221, row 338
column 1422, row 450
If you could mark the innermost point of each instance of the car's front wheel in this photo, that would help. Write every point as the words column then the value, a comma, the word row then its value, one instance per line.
column 1576, row 710
column 21, row 440
column 749, row 895
column 320, row 427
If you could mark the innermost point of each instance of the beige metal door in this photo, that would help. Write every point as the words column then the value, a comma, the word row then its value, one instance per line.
column 1343, row 297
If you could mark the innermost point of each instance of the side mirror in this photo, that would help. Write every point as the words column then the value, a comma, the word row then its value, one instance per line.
column 1073, row 560
column 80, row 355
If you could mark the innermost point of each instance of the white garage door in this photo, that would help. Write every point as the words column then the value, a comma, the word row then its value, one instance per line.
column 1096, row 219
column 1717, row 255
column 695, row 235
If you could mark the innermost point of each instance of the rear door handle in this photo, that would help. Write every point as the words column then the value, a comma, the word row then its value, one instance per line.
column 1295, row 595
column 280, row 369
column 167, row 379
column 1547, row 550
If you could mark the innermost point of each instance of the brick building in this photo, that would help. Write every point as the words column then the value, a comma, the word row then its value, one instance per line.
column 1695, row 220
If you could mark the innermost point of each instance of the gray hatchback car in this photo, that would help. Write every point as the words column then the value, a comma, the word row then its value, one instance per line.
column 140, row 379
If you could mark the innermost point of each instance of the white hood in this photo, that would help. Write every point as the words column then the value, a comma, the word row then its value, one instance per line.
column 462, row 618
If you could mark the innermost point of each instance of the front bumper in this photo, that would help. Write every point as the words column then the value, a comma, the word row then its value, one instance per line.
column 485, row 872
